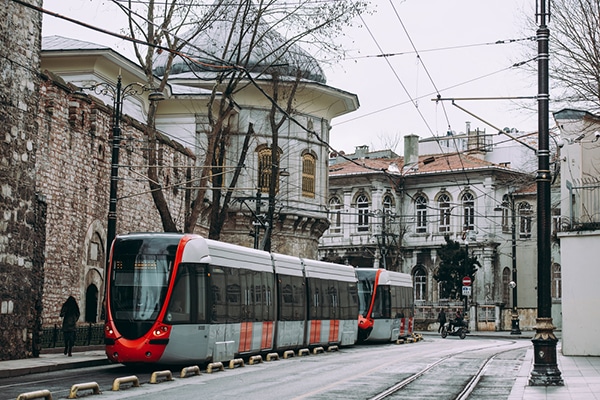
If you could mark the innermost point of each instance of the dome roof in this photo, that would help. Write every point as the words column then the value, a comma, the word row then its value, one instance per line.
column 219, row 44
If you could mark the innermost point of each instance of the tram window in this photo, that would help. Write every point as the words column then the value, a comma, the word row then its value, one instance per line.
column 324, row 299
column 334, row 301
column 286, row 300
column 219, row 308
column 201, row 295
column 179, row 306
column 299, row 293
column 314, row 300
column 353, row 303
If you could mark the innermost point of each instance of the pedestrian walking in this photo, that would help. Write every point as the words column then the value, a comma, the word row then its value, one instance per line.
column 70, row 314
column 441, row 319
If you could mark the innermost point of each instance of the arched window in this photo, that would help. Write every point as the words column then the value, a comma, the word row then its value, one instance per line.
column 525, row 216
column 444, row 207
column 388, row 203
column 308, row 175
column 421, row 218
column 420, row 282
column 506, row 278
column 265, row 169
column 468, row 203
column 556, row 282
column 335, row 223
column 362, row 205
column 506, row 222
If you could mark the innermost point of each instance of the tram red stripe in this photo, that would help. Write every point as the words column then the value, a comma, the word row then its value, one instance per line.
column 315, row 331
column 245, row 336
column 334, row 330
column 267, row 335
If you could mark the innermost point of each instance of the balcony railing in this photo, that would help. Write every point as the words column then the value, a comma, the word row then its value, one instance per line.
column 584, row 205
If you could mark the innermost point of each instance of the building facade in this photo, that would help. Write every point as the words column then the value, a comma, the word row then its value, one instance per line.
column 395, row 213
column 22, row 227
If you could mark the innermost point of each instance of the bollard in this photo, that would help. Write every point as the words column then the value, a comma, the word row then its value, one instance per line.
column 303, row 352
column 38, row 394
column 317, row 350
column 126, row 379
column 272, row 356
column 255, row 359
column 333, row 348
column 83, row 386
column 236, row 361
column 219, row 365
column 288, row 353
column 161, row 374
column 193, row 369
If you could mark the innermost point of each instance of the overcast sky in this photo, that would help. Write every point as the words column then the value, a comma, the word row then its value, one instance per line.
column 456, row 56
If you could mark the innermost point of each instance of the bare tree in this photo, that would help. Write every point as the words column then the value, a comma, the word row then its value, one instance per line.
column 575, row 51
column 252, row 45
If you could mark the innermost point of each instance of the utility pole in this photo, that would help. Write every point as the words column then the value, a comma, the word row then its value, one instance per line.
column 515, row 329
column 545, row 370
column 257, row 223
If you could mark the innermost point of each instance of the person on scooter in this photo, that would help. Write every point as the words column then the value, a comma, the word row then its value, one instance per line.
column 457, row 321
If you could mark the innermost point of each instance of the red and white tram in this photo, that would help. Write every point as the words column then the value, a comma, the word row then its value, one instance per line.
column 178, row 298
column 386, row 305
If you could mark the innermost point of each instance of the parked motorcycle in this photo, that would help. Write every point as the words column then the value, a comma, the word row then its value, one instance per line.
column 456, row 330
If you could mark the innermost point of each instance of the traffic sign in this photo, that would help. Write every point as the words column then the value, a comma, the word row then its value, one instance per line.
column 466, row 290
column 466, row 281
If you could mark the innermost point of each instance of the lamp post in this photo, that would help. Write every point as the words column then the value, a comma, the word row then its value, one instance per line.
column 545, row 370
column 515, row 329
column 118, row 93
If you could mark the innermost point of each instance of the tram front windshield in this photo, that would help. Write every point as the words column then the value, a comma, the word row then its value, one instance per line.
column 139, row 279
column 366, row 283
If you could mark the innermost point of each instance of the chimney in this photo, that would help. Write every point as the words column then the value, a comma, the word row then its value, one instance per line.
column 360, row 152
column 411, row 150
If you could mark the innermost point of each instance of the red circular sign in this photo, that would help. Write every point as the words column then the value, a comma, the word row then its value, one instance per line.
column 466, row 281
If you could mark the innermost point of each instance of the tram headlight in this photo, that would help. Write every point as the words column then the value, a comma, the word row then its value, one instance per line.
column 161, row 330
column 108, row 330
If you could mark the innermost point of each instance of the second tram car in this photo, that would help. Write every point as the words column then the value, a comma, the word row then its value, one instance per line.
column 177, row 298
column 386, row 305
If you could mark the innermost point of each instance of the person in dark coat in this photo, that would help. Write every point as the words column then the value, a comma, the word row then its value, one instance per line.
column 441, row 319
column 70, row 314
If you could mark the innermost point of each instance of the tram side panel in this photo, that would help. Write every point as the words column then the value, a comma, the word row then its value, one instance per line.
column 332, row 304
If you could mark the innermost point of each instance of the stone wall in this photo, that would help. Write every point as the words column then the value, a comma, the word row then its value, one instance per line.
column 73, row 175
column 22, row 219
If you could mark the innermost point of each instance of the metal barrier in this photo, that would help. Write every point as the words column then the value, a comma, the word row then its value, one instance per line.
column 161, row 374
column 193, row 369
column 126, row 379
column 39, row 394
column 86, row 335
column 84, row 386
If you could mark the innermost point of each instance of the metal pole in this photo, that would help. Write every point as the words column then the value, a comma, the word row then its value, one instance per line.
column 515, row 329
column 114, row 172
column 257, row 222
column 545, row 370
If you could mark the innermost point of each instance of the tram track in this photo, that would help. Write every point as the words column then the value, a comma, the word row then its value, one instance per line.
column 461, row 393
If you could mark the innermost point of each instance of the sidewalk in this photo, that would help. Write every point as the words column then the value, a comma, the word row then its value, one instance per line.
column 53, row 361
column 581, row 375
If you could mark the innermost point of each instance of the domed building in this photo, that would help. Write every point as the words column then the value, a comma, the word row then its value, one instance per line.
column 250, row 76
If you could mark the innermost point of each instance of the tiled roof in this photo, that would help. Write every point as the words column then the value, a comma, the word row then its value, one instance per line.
column 427, row 164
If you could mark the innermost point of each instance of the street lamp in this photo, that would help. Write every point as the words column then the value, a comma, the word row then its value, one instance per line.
column 118, row 93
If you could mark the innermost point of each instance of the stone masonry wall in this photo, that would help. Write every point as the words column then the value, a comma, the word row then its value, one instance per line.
column 73, row 169
column 22, row 218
